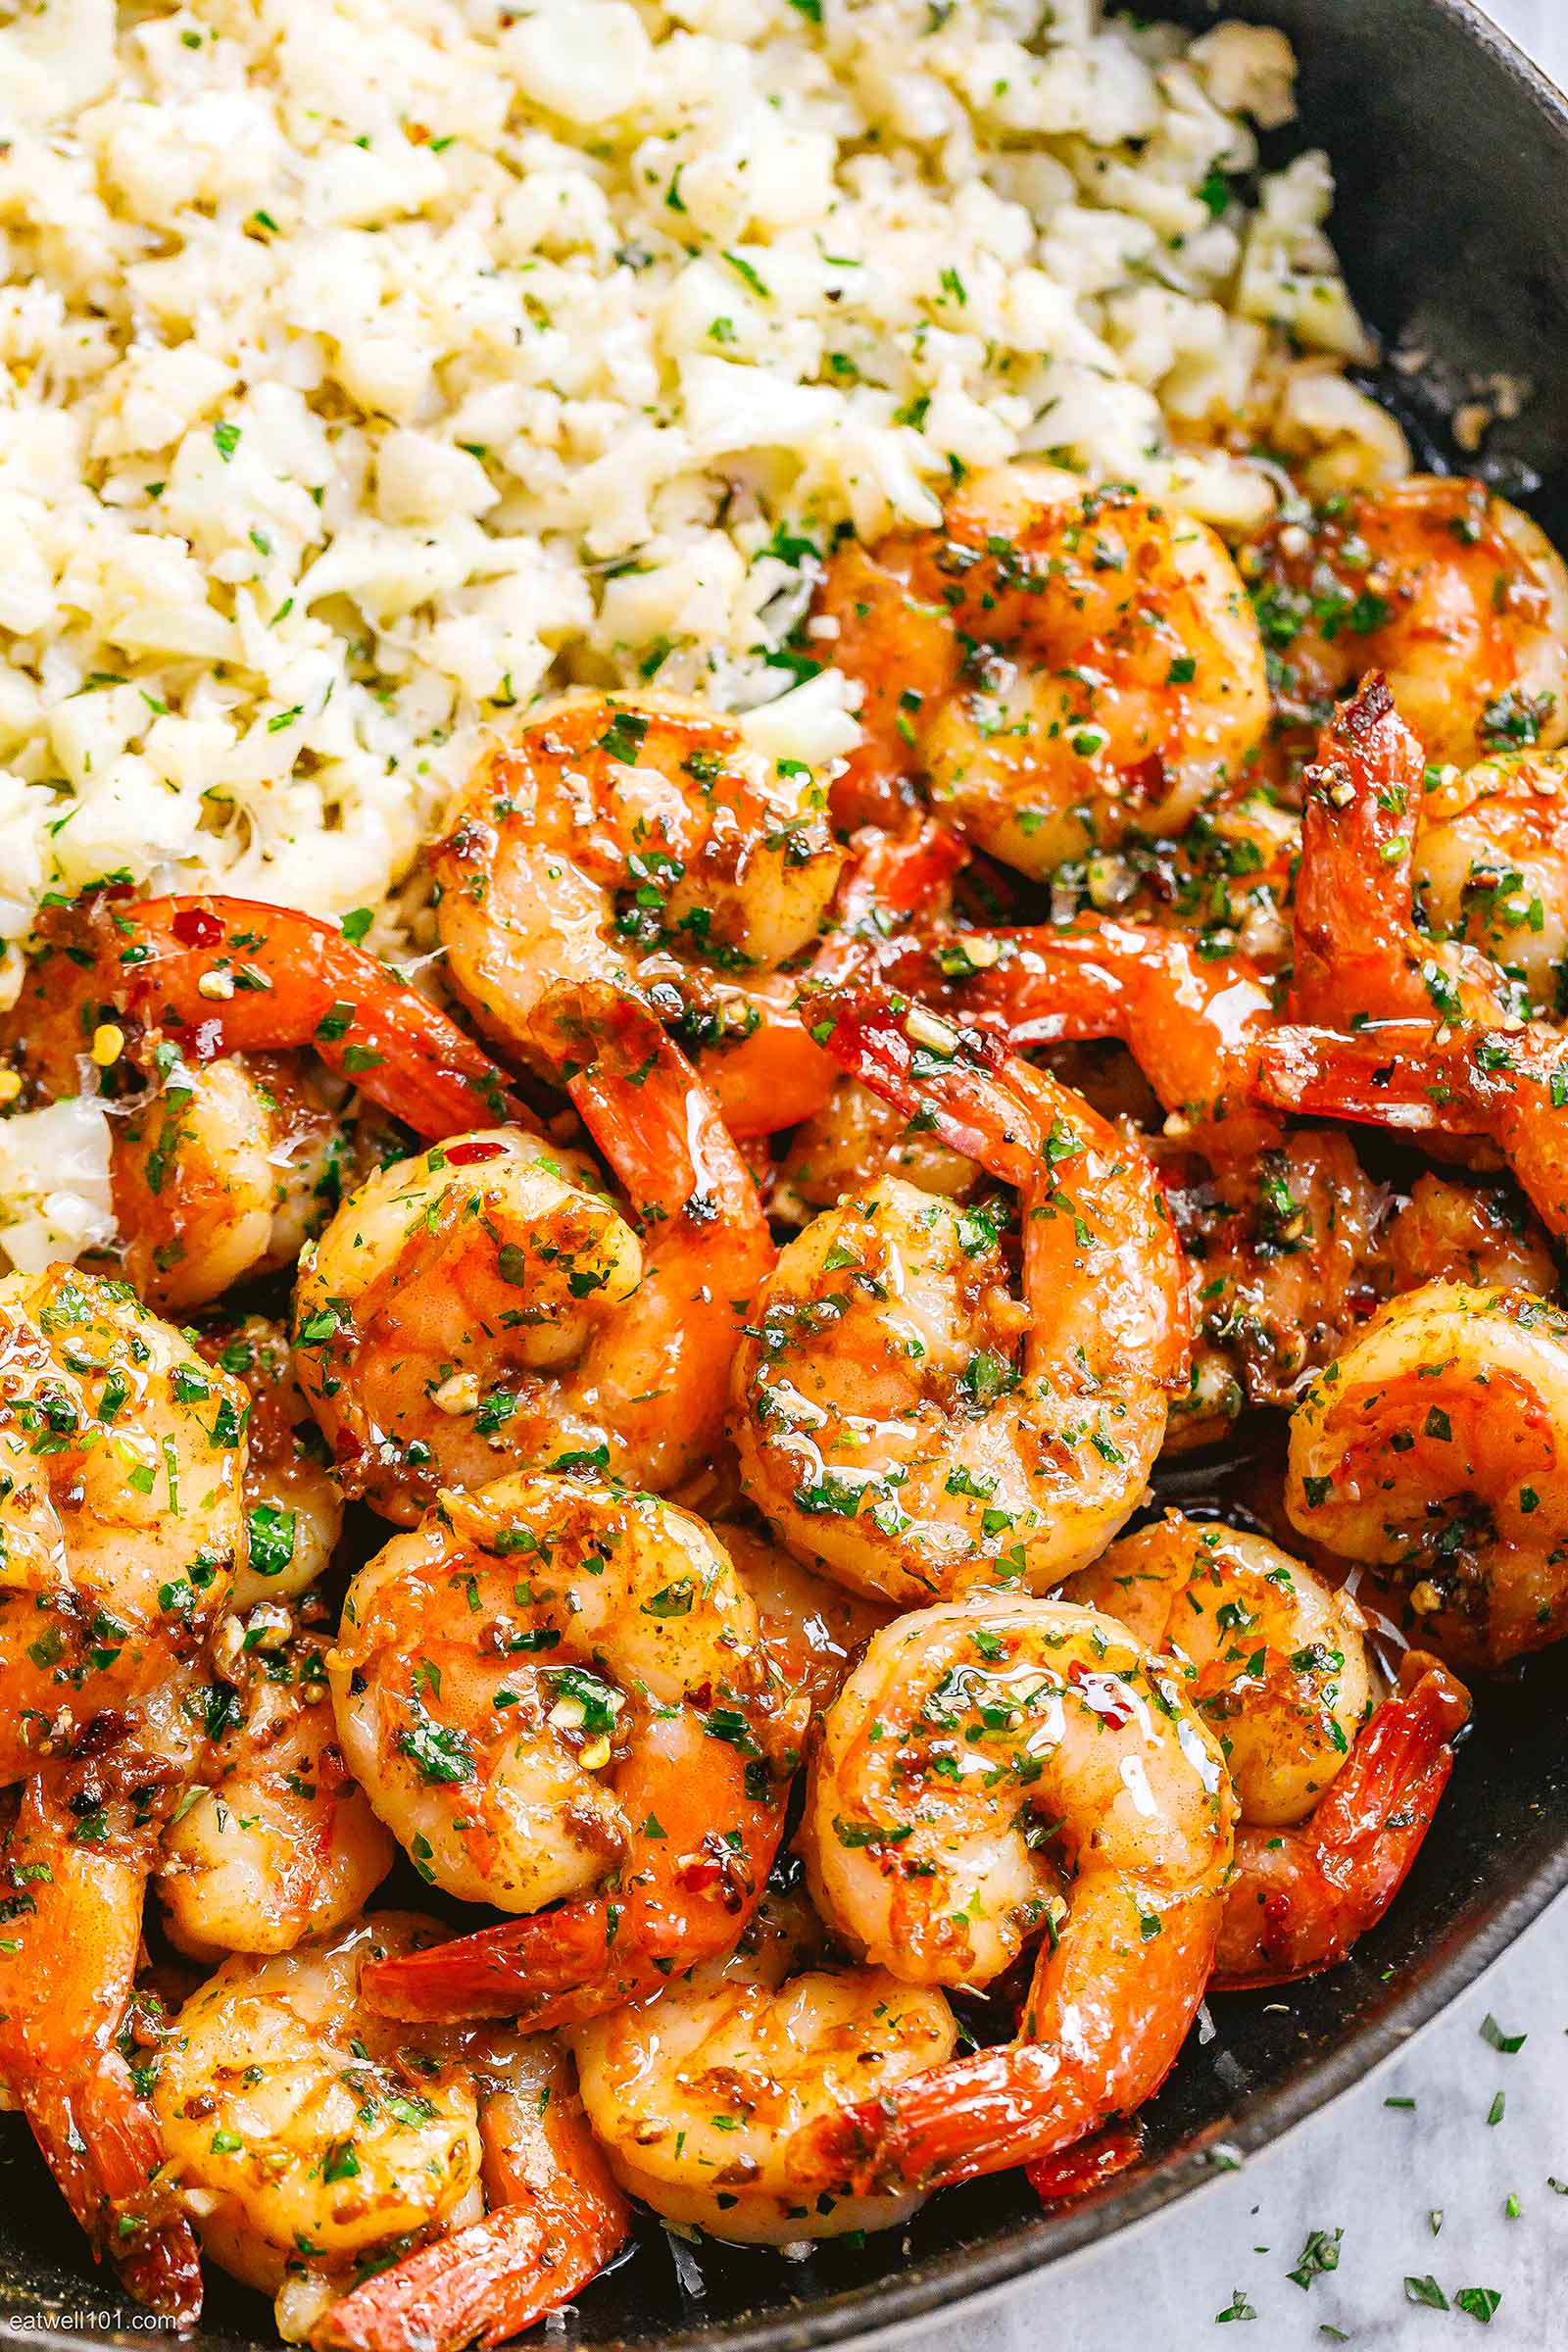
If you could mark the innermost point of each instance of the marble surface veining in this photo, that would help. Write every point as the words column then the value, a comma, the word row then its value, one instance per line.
column 1423, row 2187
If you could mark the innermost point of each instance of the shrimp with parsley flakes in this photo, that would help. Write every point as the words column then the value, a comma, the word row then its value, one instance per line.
column 705, row 2100
column 1435, row 1451
column 1057, row 665
column 556, row 1691
column 488, row 1303
column 1335, row 1789
column 639, row 842
column 904, row 1420
column 999, row 1769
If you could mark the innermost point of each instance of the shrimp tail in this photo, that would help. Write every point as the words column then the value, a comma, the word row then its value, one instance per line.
column 649, row 1114
column 1078, row 2170
column 1355, row 906
column 237, row 976
column 556, row 2218
column 1096, row 2045
column 924, row 1064
column 690, row 1898
column 484, row 2283
column 1390, row 1076
column 102, row 2144
column 1300, row 1900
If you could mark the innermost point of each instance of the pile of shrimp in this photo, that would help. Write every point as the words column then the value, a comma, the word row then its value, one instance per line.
column 592, row 1562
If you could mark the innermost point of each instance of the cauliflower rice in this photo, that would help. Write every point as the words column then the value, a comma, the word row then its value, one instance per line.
column 374, row 366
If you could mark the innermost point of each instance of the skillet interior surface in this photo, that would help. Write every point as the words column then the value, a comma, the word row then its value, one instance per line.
column 1451, row 158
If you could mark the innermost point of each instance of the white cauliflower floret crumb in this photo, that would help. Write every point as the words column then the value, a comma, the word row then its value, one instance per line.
column 372, row 367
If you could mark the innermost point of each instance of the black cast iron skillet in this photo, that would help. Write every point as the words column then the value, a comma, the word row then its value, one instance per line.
column 1452, row 156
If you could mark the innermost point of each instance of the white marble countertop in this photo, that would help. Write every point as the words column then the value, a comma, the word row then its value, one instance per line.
column 1383, row 2174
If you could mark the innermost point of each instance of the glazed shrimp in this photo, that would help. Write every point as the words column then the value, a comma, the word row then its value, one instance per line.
column 554, row 2219
column 993, row 1768
column 273, row 1841
column 1479, row 1234
column 210, row 977
column 1439, row 582
column 1277, row 1227
column 74, row 1874
column 1276, row 1664
column 124, row 1456
column 555, row 1692
column 1433, row 1451
column 705, row 2101
column 639, row 842
column 1061, row 665
column 901, row 1419
column 293, row 1505
column 306, row 2137
column 485, row 1304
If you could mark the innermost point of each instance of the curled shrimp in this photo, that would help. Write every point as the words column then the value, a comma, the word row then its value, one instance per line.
column 207, row 977
column 218, row 1169
column 1439, row 582
column 999, row 1767
column 705, row 2100
column 487, row 1304
column 272, row 1841
column 1061, row 665
column 555, row 1692
column 1482, row 1235
column 555, row 2220
column 1334, row 1792
column 640, row 842
column 74, row 1874
column 901, row 1418
column 1434, row 1452
column 125, row 1458
column 293, row 1505
column 306, row 2137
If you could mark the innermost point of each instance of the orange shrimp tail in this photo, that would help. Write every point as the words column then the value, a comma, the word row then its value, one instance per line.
column 486, row 2283
column 690, row 1896
column 1300, row 1900
column 294, row 981
column 1354, row 904
column 956, row 1078
column 650, row 1113
column 102, row 2144
column 1390, row 1076
column 1101, row 2042
column 1079, row 2171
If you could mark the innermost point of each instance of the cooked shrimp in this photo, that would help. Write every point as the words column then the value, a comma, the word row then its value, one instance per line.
column 1277, row 1667
column 1490, row 864
column 901, row 1418
column 556, row 2218
column 293, row 1505
column 306, row 2135
column 206, row 977
column 273, row 1841
column 1360, row 957
column 74, row 1869
column 1440, row 583
column 124, row 1458
column 639, row 842
column 1191, row 1020
column 485, row 1304
column 1435, row 1451
column 1062, row 664
column 1302, row 1894
column 1479, row 1234
column 996, row 1768
column 556, row 1691
column 703, row 2101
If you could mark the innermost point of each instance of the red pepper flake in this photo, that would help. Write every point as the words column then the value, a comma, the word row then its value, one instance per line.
column 1102, row 1694
column 194, row 927
column 469, row 1155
